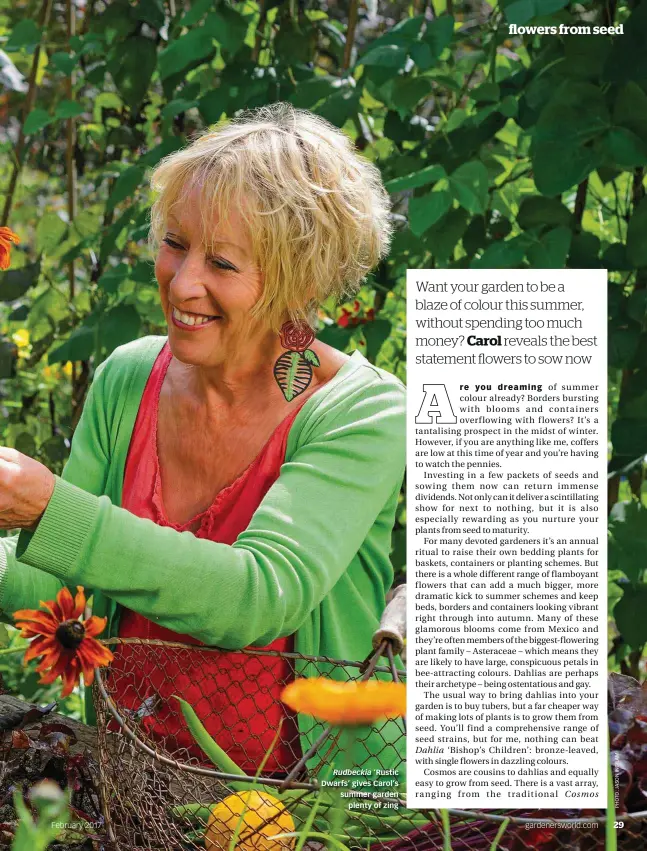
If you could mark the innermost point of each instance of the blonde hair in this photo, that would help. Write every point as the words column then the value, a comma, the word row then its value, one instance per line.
column 317, row 212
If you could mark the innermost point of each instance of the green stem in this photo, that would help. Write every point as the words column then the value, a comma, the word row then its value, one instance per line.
column 499, row 835
column 8, row 650
column 447, row 831
column 212, row 749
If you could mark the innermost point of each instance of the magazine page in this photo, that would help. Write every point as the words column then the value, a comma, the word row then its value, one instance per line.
column 257, row 257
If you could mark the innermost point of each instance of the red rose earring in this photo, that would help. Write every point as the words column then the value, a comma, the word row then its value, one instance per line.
column 293, row 369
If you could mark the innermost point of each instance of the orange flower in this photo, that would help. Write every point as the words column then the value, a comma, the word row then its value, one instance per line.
column 346, row 704
column 68, row 645
column 7, row 236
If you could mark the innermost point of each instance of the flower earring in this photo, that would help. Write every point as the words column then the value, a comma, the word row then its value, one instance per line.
column 293, row 369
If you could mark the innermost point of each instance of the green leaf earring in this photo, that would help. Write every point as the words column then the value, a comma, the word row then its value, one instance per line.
column 293, row 369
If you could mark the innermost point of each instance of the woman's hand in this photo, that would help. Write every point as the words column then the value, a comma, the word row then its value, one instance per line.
column 26, row 487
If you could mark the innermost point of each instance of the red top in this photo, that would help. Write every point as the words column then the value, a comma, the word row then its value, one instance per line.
column 235, row 695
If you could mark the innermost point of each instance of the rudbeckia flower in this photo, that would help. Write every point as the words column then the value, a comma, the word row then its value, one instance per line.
column 346, row 704
column 7, row 236
column 66, row 643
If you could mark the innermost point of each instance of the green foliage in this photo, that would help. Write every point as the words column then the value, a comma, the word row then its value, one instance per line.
column 52, row 807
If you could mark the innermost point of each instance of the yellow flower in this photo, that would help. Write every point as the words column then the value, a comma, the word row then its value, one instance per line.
column 21, row 338
column 264, row 819
column 67, row 368
column 346, row 704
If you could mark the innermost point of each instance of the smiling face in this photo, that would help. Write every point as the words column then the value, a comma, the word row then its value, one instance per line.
column 207, row 295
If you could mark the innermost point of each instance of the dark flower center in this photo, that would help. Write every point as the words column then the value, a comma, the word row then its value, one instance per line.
column 70, row 634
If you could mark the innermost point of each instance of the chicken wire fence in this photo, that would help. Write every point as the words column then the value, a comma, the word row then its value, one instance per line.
column 159, row 792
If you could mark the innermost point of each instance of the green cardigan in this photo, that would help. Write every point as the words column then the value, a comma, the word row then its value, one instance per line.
column 314, row 561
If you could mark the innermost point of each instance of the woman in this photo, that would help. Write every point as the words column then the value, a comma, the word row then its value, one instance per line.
column 236, row 483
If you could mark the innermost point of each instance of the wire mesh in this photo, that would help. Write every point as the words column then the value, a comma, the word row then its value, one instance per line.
column 160, row 792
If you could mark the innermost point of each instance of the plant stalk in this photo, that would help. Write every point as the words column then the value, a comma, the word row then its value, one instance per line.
column 32, row 91
column 350, row 34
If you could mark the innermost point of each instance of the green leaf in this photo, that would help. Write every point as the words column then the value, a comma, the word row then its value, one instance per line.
column 385, row 56
column 615, row 258
column 214, row 105
column 628, row 57
column 175, row 107
column 629, row 437
column 552, row 250
column 118, row 326
column 310, row 92
column 519, row 12
column 438, row 35
column 79, row 346
column 404, row 33
column 637, row 305
column 55, row 449
column 133, row 68
column 561, row 154
column 25, row 443
column 165, row 147
column 585, row 252
column 630, row 109
column 443, row 237
column 629, row 615
column 636, row 240
column 475, row 237
column 106, row 100
column 333, row 335
column 125, row 185
column 198, row 10
column 24, row 36
column 584, row 56
column 429, row 174
column 49, row 232
column 63, row 62
column 68, row 109
column 409, row 129
column 16, row 282
column 19, row 314
column 36, row 120
column 188, row 51
column 623, row 345
column 341, row 106
column 228, row 27
column 422, row 55
column 151, row 12
column 486, row 93
column 558, row 169
column 408, row 91
column 117, row 21
column 294, row 42
column 113, row 276
column 621, row 147
column 375, row 333
column 86, row 223
column 4, row 636
column 469, row 186
column 311, row 357
column 506, row 254
column 536, row 210
column 426, row 210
